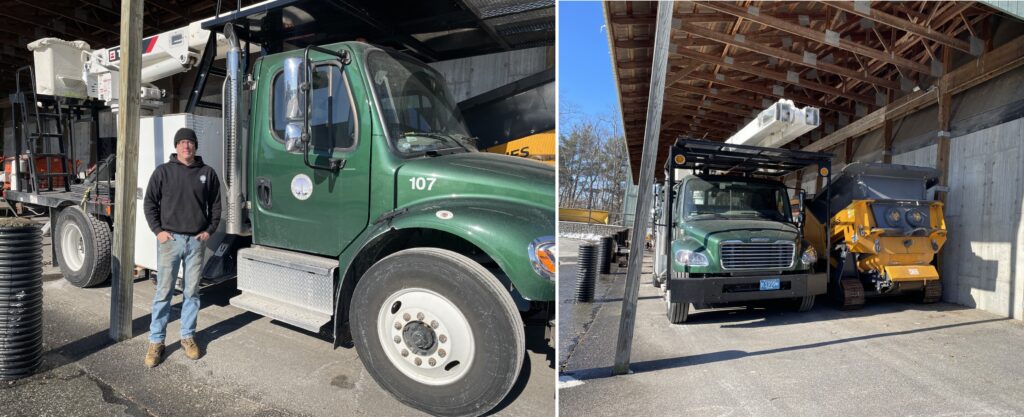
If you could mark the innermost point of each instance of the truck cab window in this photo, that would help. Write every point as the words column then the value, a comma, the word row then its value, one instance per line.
column 332, row 123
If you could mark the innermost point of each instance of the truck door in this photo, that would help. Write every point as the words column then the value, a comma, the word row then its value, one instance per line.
column 301, row 208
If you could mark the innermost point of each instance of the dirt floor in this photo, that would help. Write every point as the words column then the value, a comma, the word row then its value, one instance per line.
column 892, row 358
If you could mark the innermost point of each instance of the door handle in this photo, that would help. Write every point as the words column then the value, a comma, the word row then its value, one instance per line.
column 263, row 192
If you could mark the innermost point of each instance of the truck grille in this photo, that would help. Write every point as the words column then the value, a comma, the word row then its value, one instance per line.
column 739, row 255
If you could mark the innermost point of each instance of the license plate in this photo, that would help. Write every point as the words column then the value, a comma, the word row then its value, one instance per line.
column 769, row 284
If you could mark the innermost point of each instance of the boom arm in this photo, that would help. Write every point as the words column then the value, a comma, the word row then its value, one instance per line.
column 163, row 55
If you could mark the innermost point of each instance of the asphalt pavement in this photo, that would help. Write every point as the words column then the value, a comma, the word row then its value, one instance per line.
column 252, row 366
column 892, row 358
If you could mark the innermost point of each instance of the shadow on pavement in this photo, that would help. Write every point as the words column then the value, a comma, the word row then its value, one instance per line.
column 726, row 355
column 86, row 346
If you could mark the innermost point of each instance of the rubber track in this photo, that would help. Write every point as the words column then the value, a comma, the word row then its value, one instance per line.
column 853, row 293
column 932, row 292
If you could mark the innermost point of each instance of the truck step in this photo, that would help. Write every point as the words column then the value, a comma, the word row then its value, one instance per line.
column 289, row 313
column 293, row 287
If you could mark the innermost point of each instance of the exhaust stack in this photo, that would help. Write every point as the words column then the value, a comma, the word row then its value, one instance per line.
column 232, row 149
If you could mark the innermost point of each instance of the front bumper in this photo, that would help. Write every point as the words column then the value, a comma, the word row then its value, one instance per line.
column 732, row 289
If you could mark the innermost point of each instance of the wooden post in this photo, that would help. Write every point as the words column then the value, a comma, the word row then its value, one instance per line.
column 652, row 132
column 887, row 138
column 123, row 262
column 945, row 104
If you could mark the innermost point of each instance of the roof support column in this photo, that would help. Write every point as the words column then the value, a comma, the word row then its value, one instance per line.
column 652, row 134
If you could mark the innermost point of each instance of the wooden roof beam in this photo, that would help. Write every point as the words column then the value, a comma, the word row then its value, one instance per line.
column 814, row 35
column 986, row 67
column 775, row 75
column 779, row 53
column 901, row 24
column 709, row 105
column 687, row 110
column 767, row 92
column 717, row 93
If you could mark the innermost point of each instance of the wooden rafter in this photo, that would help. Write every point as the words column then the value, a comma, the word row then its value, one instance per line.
column 901, row 24
column 743, row 42
column 815, row 36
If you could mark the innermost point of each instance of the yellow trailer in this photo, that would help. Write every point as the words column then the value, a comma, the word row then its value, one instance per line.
column 884, row 232
column 581, row 215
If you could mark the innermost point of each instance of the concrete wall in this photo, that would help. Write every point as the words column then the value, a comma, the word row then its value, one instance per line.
column 983, row 260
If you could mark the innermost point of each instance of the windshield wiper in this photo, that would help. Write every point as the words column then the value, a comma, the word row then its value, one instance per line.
column 442, row 136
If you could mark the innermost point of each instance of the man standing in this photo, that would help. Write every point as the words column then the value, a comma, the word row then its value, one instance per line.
column 183, row 209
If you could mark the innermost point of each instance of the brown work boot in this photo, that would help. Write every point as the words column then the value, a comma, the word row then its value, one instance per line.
column 191, row 349
column 155, row 354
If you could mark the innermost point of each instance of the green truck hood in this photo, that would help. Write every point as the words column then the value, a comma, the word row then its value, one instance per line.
column 479, row 175
column 708, row 232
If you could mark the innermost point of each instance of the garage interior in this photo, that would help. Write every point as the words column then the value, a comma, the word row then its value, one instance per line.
column 935, row 84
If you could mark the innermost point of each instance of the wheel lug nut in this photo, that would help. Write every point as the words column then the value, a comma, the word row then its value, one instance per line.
column 398, row 339
column 432, row 362
column 442, row 353
column 442, row 338
column 419, row 316
column 406, row 317
column 433, row 323
column 398, row 326
column 418, row 361
column 405, row 353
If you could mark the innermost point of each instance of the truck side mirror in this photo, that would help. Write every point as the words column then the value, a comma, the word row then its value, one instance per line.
column 293, row 136
column 294, row 83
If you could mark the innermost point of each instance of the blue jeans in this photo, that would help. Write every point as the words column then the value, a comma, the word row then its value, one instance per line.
column 172, row 253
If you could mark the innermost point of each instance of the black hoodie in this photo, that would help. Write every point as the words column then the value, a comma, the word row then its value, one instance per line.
column 183, row 198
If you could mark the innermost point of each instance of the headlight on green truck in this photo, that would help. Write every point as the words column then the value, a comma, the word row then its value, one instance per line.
column 810, row 256
column 542, row 253
column 691, row 258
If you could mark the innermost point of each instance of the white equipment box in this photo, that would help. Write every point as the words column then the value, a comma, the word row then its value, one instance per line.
column 156, row 144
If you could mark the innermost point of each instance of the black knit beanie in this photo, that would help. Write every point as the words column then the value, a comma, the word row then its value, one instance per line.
column 185, row 134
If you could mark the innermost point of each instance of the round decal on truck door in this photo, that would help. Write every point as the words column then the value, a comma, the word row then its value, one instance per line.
column 302, row 186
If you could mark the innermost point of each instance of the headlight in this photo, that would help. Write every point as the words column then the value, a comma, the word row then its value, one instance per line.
column 543, row 253
column 893, row 217
column 915, row 218
column 810, row 256
column 691, row 258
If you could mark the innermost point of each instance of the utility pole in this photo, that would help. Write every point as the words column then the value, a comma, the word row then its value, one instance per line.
column 123, row 261
column 652, row 132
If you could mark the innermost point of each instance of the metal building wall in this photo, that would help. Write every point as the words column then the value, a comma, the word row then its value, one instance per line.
column 469, row 77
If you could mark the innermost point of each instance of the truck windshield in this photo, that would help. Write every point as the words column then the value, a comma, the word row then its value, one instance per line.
column 733, row 198
column 418, row 113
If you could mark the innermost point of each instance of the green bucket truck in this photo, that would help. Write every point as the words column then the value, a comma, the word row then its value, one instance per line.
column 731, row 236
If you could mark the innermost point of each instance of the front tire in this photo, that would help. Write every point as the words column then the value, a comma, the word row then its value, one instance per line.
column 806, row 303
column 82, row 243
column 677, row 312
column 438, row 331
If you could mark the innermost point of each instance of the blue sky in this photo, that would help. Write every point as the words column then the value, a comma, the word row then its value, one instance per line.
column 584, row 61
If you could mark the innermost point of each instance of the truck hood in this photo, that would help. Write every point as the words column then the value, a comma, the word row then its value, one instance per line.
column 476, row 175
column 709, row 232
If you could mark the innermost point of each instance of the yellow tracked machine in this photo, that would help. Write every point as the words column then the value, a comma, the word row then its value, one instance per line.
column 884, row 232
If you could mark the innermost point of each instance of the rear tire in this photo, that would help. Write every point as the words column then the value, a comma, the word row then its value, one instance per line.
column 437, row 305
column 82, row 243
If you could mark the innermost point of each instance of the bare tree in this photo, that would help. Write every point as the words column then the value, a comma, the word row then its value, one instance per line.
column 593, row 161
